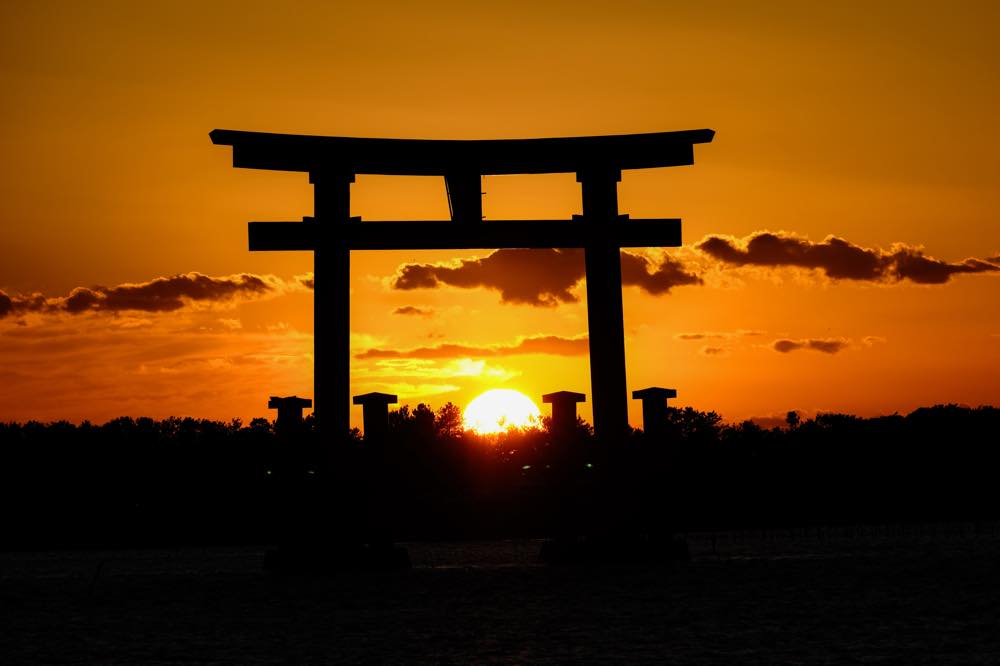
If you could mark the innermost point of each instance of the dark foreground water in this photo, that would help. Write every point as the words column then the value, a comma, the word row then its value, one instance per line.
column 891, row 594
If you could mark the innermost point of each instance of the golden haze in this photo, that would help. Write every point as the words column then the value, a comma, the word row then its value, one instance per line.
column 872, row 123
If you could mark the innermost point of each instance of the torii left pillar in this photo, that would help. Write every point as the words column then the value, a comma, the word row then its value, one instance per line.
column 332, row 302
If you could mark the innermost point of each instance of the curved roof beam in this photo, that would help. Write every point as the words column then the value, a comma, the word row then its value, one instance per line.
column 432, row 157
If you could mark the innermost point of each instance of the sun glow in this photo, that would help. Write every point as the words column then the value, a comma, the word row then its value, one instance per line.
column 498, row 410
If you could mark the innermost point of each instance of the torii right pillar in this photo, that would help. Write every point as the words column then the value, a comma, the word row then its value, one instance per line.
column 654, row 409
column 605, row 316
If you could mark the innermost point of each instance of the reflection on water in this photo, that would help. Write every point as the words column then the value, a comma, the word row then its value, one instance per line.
column 902, row 594
column 784, row 543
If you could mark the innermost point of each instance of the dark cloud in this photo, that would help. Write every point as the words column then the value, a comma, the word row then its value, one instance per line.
column 912, row 264
column 532, row 277
column 18, row 304
column 825, row 345
column 717, row 335
column 700, row 336
column 714, row 351
column 542, row 344
column 307, row 280
column 165, row 294
column 785, row 346
column 539, row 277
column 413, row 310
column 639, row 271
column 550, row 277
column 838, row 258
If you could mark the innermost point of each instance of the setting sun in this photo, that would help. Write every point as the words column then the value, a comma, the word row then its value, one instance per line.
column 500, row 409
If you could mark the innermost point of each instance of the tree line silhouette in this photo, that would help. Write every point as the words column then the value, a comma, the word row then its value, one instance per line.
column 137, row 482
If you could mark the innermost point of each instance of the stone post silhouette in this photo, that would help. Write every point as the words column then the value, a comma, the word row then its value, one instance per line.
column 375, row 412
column 289, row 412
column 563, row 412
column 654, row 408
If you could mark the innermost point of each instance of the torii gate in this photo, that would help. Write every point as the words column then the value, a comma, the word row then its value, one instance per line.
column 331, row 234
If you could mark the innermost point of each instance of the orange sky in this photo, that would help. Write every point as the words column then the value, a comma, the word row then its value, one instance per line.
column 872, row 122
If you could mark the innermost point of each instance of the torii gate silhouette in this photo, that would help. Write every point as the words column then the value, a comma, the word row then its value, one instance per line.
column 331, row 234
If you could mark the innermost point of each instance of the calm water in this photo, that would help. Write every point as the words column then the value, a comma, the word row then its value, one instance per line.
column 924, row 594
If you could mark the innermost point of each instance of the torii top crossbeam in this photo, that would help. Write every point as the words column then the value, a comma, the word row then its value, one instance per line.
column 433, row 157
column 331, row 233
